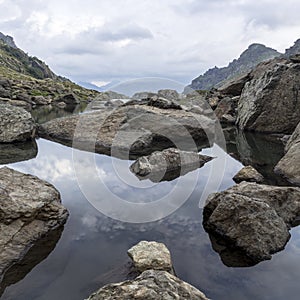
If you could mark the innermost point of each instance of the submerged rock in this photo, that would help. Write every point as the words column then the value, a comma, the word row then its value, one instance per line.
column 270, row 100
column 30, row 208
column 250, row 174
column 168, row 164
column 151, row 255
column 253, row 219
column 16, row 124
column 289, row 165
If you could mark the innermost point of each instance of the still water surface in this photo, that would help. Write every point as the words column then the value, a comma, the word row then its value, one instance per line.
column 91, row 250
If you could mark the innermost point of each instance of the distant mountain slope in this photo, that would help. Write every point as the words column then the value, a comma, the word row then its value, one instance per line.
column 250, row 58
column 23, row 78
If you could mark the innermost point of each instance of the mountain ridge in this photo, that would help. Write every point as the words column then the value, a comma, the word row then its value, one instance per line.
column 249, row 58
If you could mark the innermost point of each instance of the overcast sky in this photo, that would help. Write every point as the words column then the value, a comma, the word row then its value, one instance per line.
column 105, row 40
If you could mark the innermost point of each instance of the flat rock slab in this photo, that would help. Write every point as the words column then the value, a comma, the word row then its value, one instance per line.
column 167, row 164
column 150, row 285
column 29, row 209
column 138, row 129
column 289, row 165
column 151, row 255
column 253, row 218
column 16, row 124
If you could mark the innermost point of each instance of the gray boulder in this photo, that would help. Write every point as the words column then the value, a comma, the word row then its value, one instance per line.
column 289, row 165
column 169, row 94
column 150, row 285
column 140, row 129
column 163, row 103
column 235, row 86
column 69, row 99
column 30, row 208
column 151, row 255
column 252, row 218
column 270, row 100
column 16, row 124
column 250, row 174
column 168, row 164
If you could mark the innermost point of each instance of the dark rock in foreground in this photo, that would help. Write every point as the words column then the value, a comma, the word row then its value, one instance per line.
column 29, row 209
column 270, row 100
column 154, row 283
column 289, row 165
column 167, row 164
column 252, row 219
column 16, row 124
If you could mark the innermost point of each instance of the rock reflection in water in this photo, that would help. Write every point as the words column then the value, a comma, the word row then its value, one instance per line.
column 34, row 256
column 261, row 151
column 230, row 255
column 45, row 113
column 16, row 152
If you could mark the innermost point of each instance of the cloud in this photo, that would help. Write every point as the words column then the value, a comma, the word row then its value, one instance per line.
column 114, row 40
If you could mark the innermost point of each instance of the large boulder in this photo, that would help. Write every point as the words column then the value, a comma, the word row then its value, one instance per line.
column 270, row 101
column 169, row 94
column 253, row 218
column 16, row 124
column 234, row 87
column 150, row 285
column 30, row 208
column 289, row 165
column 140, row 129
column 69, row 99
column 168, row 164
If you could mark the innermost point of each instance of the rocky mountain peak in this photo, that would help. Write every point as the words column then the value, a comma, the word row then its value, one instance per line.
column 295, row 49
column 250, row 58
column 8, row 40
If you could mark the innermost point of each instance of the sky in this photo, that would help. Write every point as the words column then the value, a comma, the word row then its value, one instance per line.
column 106, row 40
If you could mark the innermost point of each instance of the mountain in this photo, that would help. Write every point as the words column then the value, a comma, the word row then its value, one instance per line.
column 27, row 81
column 17, row 60
column 90, row 86
column 8, row 40
column 295, row 49
column 250, row 58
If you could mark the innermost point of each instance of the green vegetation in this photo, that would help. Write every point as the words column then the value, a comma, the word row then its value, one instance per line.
column 28, row 76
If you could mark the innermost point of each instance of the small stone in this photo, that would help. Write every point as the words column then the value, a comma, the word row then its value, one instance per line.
column 250, row 174
column 151, row 255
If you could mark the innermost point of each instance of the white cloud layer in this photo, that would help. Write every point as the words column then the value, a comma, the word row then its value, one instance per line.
column 109, row 40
